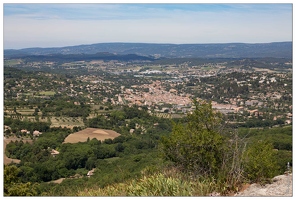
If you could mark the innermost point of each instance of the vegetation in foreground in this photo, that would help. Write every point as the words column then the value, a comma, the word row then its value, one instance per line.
column 200, row 155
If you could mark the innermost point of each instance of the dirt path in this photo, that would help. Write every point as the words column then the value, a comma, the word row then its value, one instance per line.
column 282, row 186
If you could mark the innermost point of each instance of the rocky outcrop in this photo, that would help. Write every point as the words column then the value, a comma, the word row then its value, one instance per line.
column 281, row 185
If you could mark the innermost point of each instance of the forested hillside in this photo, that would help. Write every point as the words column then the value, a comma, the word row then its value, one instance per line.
column 230, row 50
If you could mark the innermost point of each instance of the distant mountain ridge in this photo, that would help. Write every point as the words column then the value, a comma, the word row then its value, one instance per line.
column 81, row 56
column 220, row 50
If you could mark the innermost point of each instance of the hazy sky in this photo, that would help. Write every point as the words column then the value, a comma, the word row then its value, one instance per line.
column 56, row 25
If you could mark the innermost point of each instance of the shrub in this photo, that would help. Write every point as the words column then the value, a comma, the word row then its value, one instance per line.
column 259, row 162
column 13, row 186
column 199, row 146
column 283, row 157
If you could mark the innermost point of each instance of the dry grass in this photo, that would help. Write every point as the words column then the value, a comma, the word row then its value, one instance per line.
column 152, row 185
column 99, row 134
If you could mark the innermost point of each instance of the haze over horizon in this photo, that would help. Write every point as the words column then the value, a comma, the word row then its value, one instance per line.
column 144, row 43
column 60, row 25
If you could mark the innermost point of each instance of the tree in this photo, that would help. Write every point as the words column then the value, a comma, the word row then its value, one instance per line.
column 90, row 163
column 198, row 146
column 119, row 147
column 13, row 186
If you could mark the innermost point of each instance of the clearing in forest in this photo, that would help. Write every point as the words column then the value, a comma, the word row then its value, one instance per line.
column 100, row 134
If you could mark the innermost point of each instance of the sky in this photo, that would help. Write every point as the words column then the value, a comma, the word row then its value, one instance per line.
column 68, row 24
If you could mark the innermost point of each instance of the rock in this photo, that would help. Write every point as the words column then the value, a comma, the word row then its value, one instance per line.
column 281, row 186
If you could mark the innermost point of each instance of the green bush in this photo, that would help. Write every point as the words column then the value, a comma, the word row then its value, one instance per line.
column 13, row 186
column 283, row 157
column 259, row 162
column 198, row 147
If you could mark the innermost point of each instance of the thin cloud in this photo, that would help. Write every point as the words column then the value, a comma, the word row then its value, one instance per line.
column 128, row 11
column 48, row 25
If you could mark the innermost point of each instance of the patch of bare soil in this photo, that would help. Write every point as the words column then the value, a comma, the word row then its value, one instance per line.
column 281, row 185
column 99, row 134
column 58, row 181
column 10, row 160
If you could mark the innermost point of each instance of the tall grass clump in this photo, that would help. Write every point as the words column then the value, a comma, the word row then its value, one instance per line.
column 158, row 184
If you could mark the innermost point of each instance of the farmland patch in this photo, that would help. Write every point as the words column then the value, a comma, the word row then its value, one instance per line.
column 47, row 93
column 68, row 122
column 99, row 134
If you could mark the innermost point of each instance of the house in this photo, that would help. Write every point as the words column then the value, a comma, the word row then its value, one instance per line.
column 272, row 80
column 54, row 152
column 288, row 121
column 289, row 115
column 254, row 112
column 173, row 91
column 132, row 130
column 25, row 131
column 274, row 118
column 239, row 109
column 36, row 133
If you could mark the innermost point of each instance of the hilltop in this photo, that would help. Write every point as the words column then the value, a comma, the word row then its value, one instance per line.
column 214, row 50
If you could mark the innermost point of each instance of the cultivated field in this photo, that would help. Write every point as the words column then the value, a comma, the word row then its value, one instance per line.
column 13, row 62
column 169, row 115
column 99, row 134
column 47, row 93
column 262, row 69
column 164, row 115
column 68, row 122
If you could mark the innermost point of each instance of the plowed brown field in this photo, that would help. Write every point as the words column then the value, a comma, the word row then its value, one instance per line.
column 100, row 134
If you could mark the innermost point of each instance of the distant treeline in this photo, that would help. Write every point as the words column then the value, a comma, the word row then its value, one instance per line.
column 218, row 50
column 79, row 57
